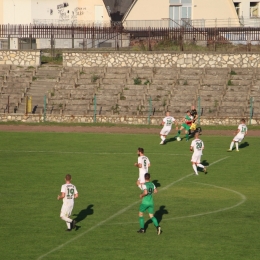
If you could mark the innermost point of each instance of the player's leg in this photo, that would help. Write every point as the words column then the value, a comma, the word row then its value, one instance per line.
column 139, row 184
column 179, row 131
column 187, row 134
column 142, row 209
column 194, row 166
column 64, row 215
column 154, row 220
column 201, row 166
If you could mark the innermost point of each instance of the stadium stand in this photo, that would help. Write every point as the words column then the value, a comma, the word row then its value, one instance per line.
column 131, row 91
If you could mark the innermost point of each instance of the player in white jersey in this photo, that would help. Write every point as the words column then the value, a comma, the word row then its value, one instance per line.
column 68, row 194
column 239, row 135
column 143, row 164
column 167, row 126
column 197, row 147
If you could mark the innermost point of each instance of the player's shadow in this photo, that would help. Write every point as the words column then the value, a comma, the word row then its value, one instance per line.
column 205, row 163
column 83, row 214
column 158, row 215
column 156, row 183
column 243, row 145
column 172, row 139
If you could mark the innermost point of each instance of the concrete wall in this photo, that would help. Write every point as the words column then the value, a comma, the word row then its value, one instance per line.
column 131, row 120
column 21, row 58
column 159, row 59
column 220, row 9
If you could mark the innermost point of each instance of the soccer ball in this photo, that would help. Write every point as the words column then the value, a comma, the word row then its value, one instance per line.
column 178, row 139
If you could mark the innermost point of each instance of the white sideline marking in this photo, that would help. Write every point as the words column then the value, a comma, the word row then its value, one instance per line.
column 117, row 214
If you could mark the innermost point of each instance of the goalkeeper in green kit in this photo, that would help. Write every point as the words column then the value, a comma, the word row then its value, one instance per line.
column 187, row 121
column 147, row 204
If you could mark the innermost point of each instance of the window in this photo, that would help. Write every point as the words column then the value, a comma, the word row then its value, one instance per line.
column 254, row 9
column 237, row 6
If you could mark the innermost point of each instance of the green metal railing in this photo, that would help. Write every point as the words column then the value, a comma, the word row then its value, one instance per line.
column 95, row 109
column 251, row 109
column 150, row 111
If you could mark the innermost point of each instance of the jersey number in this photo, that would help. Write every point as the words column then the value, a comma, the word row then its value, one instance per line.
column 243, row 130
column 169, row 122
column 144, row 163
column 150, row 191
column 199, row 145
column 70, row 193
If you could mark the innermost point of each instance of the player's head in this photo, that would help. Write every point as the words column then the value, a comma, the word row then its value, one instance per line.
column 197, row 135
column 140, row 151
column 68, row 177
column 192, row 107
column 147, row 176
column 243, row 121
column 167, row 113
column 188, row 112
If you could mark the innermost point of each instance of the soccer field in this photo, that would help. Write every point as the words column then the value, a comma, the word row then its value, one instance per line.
column 210, row 216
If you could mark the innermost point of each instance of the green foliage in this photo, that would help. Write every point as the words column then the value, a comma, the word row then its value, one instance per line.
column 204, row 212
column 185, row 82
column 147, row 82
column 230, row 82
column 34, row 78
column 137, row 81
column 94, row 78
column 233, row 72
column 58, row 59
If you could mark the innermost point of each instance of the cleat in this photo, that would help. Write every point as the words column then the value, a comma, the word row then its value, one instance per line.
column 162, row 142
column 73, row 224
column 159, row 231
column 229, row 150
column 141, row 230
column 68, row 230
column 205, row 170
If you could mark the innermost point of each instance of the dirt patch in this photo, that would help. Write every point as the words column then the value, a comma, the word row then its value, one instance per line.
column 94, row 129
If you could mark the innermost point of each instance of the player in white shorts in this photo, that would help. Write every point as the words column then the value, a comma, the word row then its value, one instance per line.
column 68, row 194
column 143, row 164
column 167, row 126
column 240, row 135
column 197, row 147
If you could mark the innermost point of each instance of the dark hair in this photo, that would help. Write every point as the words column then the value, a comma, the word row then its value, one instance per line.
column 68, row 177
column 147, row 176
column 243, row 120
column 188, row 111
column 141, row 150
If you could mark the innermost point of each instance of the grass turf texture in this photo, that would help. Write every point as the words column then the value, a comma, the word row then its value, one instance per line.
column 33, row 166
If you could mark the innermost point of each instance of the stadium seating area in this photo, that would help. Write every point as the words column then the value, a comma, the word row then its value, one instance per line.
column 130, row 91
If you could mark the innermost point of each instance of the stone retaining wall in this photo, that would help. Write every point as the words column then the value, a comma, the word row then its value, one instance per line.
column 158, row 59
column 135, row 120
column 20, row 58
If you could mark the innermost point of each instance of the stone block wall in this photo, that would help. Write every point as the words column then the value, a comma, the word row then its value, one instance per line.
column 20, row 58
column 159, row 59
column 115, row 119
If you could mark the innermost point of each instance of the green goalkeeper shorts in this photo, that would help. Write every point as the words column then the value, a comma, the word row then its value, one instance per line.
column 187, row 127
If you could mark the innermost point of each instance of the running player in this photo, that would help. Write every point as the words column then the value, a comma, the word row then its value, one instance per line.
column 68, row 194
column 167, row 126
column 197, row 146
column 147, row 204
column 143, row 164
column 187, row 121
column 240, row 135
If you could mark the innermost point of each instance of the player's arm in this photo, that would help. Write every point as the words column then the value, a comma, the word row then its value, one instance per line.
column 143, row 194
column 162, row 123
column 138, row 165
column 155, row 190
column 238, row 131
column 76, row 195
column 61, row 196
column 191, row 148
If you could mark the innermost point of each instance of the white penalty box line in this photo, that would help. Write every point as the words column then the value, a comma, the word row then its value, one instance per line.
column 116, row 214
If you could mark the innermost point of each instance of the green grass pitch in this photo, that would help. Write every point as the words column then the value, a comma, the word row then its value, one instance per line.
column 213, row 216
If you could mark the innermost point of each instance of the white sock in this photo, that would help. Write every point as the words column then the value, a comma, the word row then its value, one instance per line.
column 231, row 145
column 66, row 219
column 236, row 145
column 140, row 186
column 194, row 166
column 68, row 225
column 162, row 138
column 200, row 165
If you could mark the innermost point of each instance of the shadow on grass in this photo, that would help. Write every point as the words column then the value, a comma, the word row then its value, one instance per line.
column 156, row 183
column 83, row 214
column 158, row 215
column 172, row 139
column 243, row 145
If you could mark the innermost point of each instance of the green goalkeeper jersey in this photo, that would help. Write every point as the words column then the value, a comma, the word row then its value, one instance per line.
column 187, row 118
column 148, row 199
